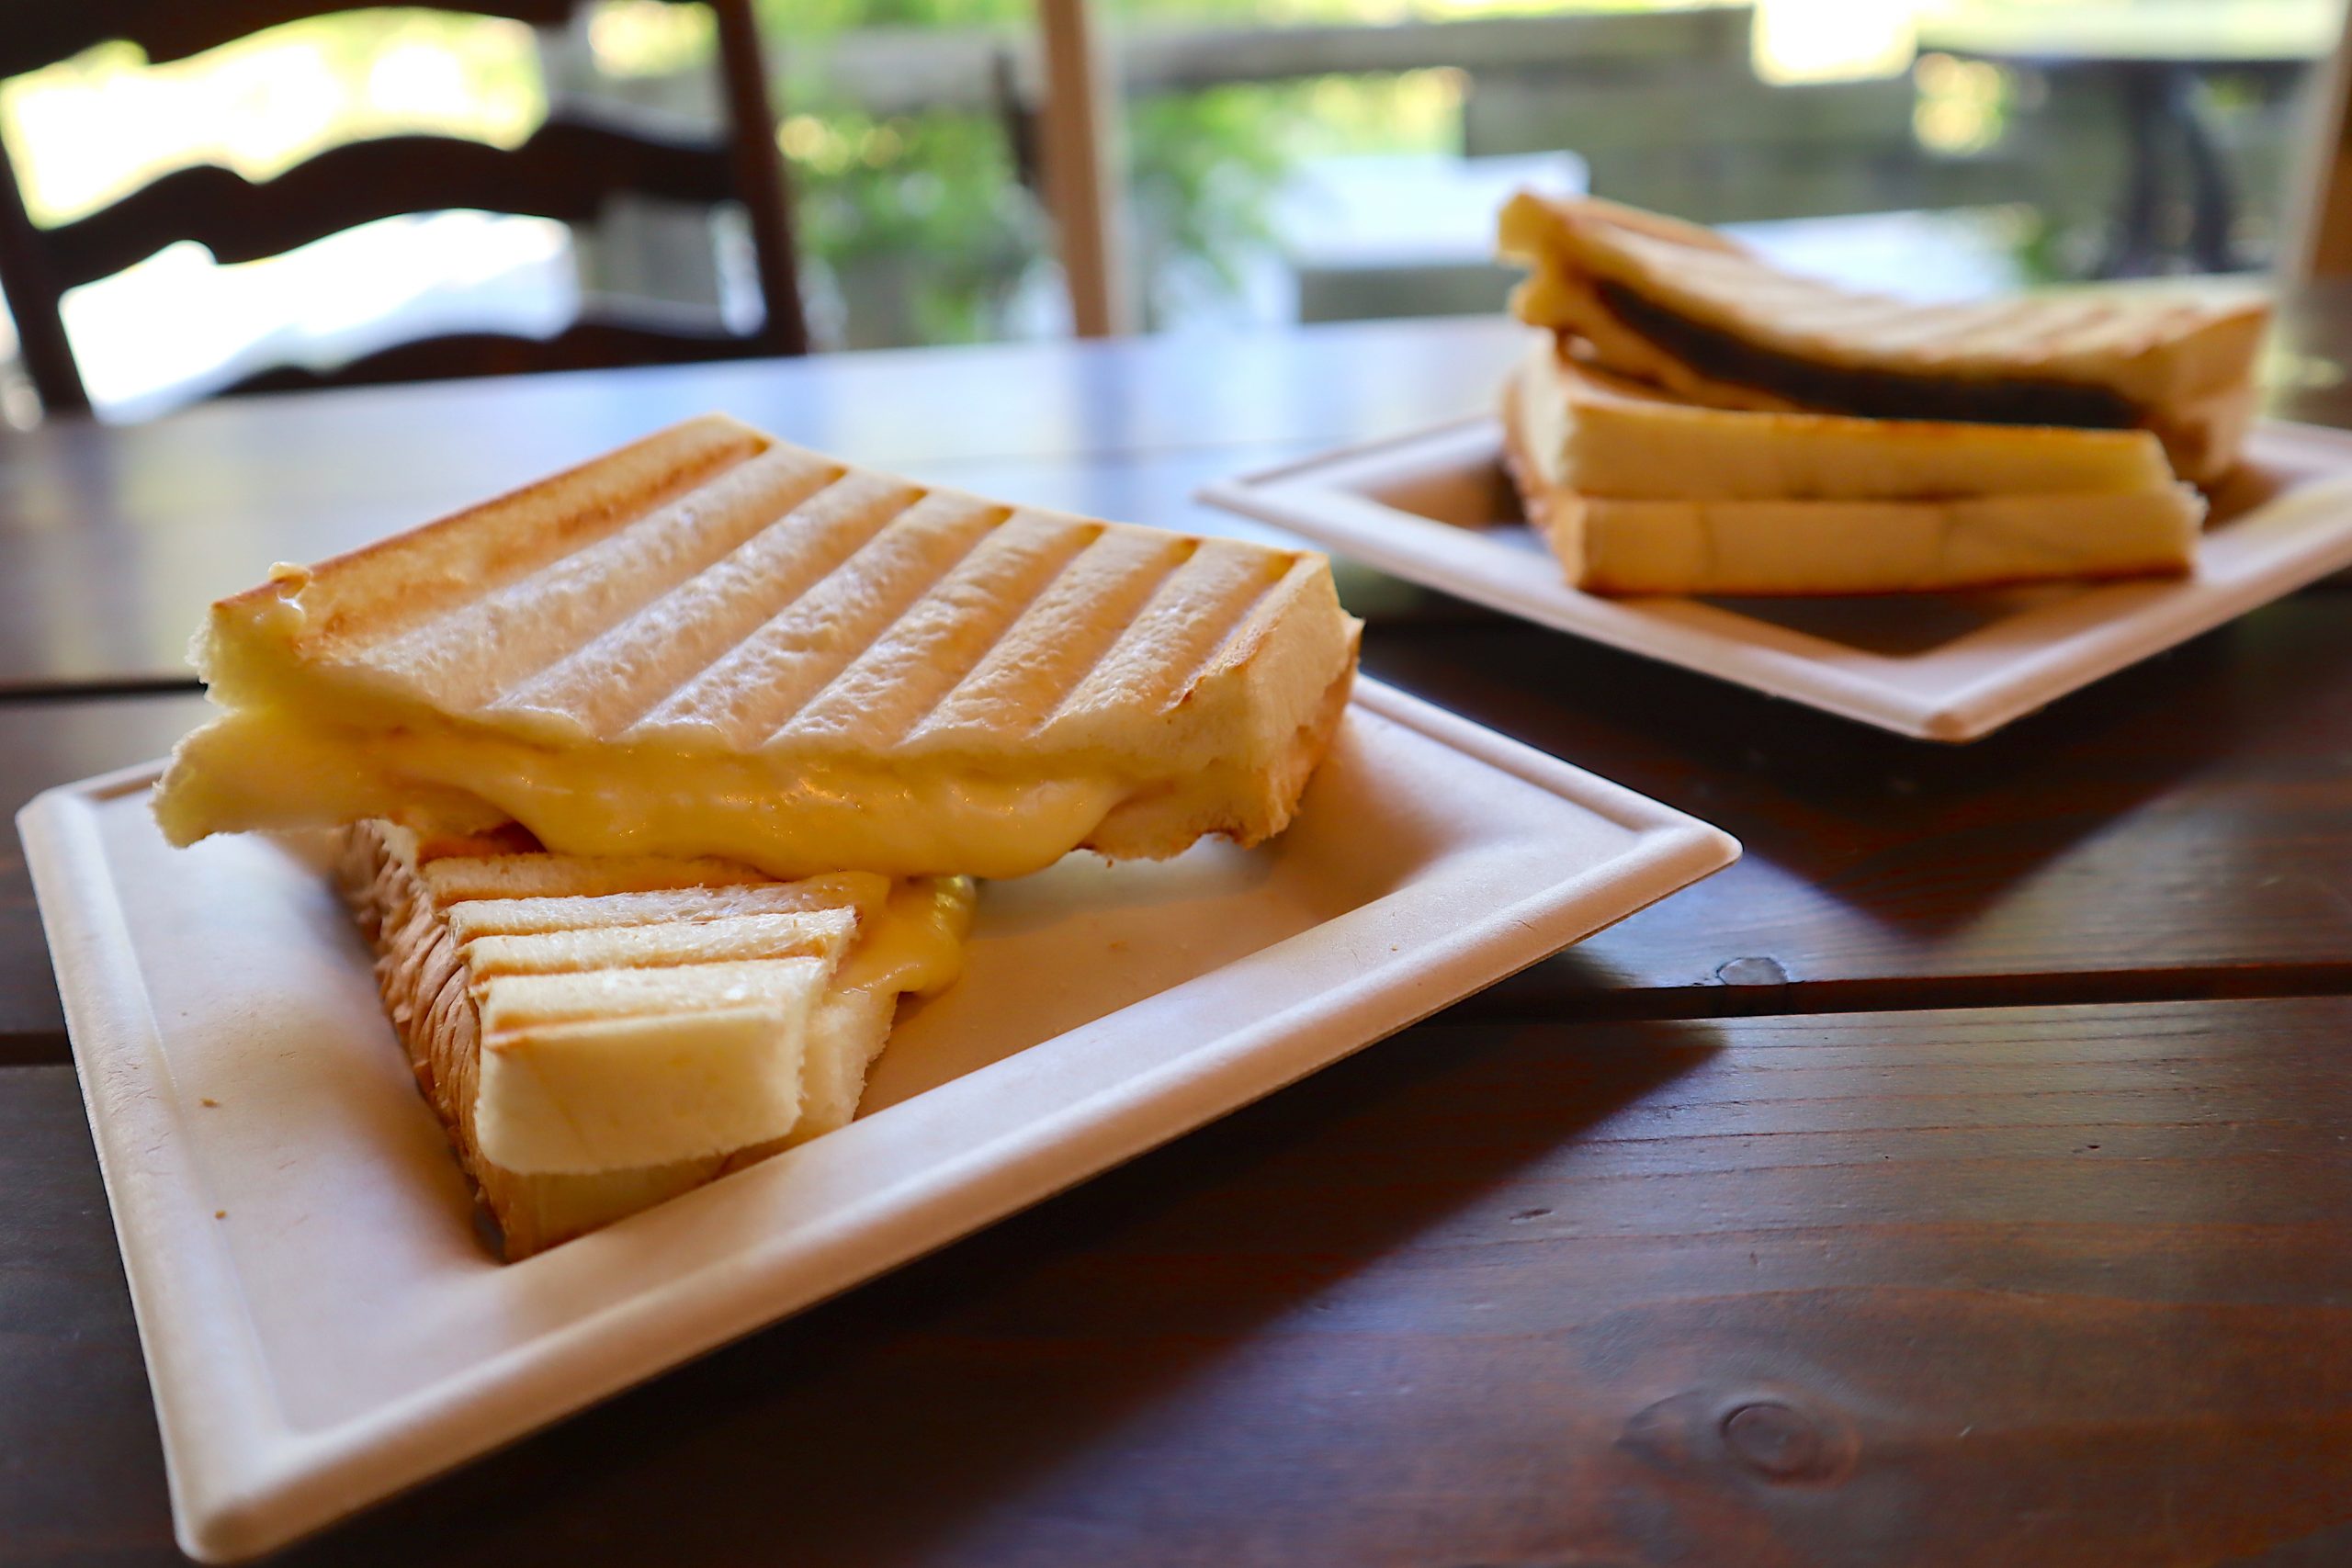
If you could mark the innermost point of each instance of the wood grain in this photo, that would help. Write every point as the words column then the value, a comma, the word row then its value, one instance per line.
column 2183, row 829
column 2021, row 1286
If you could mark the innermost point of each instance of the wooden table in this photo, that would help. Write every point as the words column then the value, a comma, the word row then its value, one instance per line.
column 1966, row 1176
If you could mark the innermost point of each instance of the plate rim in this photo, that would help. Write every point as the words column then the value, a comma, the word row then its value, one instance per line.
column 1288, row 495
column 242, row 1481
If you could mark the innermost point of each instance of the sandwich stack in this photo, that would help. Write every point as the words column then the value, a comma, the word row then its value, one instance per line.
column 1696, row 421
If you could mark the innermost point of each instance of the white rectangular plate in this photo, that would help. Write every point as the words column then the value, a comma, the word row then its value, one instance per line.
column 1436, row 509
column 323, row 1325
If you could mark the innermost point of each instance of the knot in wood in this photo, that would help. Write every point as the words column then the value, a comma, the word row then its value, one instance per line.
column 1776, row 1441
column 1752, row 972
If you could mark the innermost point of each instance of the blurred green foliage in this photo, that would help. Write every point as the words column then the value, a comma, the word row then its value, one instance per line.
column 915, row 226
column 919, row 226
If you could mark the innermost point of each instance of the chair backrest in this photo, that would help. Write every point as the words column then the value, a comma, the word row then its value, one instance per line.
column 566, row 171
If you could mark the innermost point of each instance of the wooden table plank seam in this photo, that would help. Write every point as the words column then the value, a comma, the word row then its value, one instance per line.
column 1602, row 1293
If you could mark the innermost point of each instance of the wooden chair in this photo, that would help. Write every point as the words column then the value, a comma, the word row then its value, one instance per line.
column 565, row 171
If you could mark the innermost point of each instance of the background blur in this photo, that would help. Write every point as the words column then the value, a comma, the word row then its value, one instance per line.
column 1307, row 160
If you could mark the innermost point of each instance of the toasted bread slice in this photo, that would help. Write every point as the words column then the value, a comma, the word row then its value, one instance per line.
column 1844, row 544
column 1605, row 436
column 1865, row 546
column 715, row 643
column 599, row 1036
column 1708, row 321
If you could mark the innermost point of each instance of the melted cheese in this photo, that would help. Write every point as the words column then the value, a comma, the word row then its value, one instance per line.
column 264, row 767
column 916, row 944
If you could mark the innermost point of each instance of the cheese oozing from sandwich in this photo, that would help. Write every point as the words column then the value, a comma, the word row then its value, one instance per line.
column 713, row 643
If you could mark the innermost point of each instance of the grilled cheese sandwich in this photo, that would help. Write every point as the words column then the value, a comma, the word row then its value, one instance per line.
column 713, row 643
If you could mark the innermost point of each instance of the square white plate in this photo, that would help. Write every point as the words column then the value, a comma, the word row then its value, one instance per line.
column 1436, row 509
column 322, row 1325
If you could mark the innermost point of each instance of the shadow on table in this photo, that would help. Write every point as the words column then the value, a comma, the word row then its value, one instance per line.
column 984, row 1381
column 1917, row 842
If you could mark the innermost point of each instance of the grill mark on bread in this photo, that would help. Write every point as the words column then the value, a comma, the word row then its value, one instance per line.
column 434, row 998
column 1191, row 621
column 1036, row 618
column 1238, row 616
column 524, row 915
column 631, row 668
column 748, row 691
column 373, row 594
column 1124, row 601
column 2094, row 334
column 1884, row 394
column 454, row 879
column 735, row 694
column 506, row 638
column 887, row 690
column 771, row 650
column 1252, row 621
column 598, row 946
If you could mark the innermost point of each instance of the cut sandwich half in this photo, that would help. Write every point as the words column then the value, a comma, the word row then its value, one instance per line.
column 1703, row 317
column 599, row 1036
column 1639, row 494
column 712, row 643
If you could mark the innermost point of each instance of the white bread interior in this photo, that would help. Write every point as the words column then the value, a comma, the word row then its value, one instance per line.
column 464, row 927
column 1606, row 435
column 1704, row 541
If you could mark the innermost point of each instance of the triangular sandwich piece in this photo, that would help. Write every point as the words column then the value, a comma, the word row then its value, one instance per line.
column 598, row 1035
column 1703, row 317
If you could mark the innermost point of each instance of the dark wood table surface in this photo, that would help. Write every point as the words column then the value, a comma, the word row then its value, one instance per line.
column 1966, row 1176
